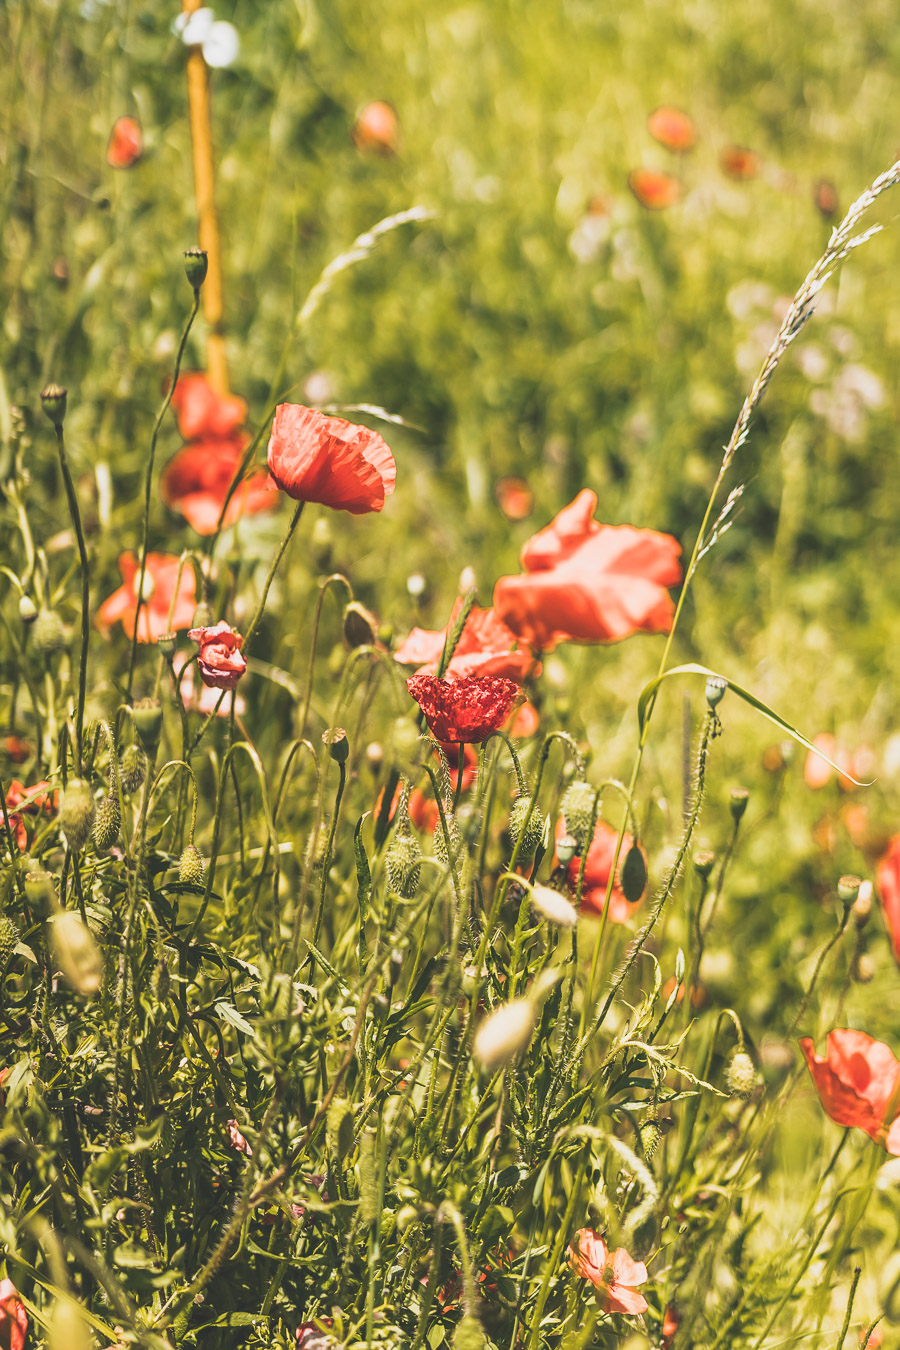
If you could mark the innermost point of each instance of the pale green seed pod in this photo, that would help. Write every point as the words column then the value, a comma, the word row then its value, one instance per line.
column 534, row 831
column 190, row 867
column 403, row 865
column 76, row 813
column 133, row 766
column 577, row 806
column 48, row 634
column 107, row 823
column 741, row 1077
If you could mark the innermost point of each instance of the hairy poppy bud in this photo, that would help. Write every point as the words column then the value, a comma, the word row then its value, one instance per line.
column 133, row 766
column 203, row 616
column 147, row 717
column 566, row 848
column 633, row 879
column 339, row 1127
column 553, row 907
column 651, row 1135
column 534, row 830
column 704, row 861
column 76, row 953
column 848, row 889
column 338, row 745
column 360, row 626
column 862, row 969
column 468, row 1334
column 741, row 1077
column 53, row 402
column 107, row 823
column 9, row 936
column 48, row 634
column 76, row 813
column 40, row 892
column 578, row 808
column 196, row 264
column 403, row 865
column 165, row 1141
column 440, row 840
column 715, row 690
column 190, row 867
column 27, row 609
column 737, row 803
column 504, row 1033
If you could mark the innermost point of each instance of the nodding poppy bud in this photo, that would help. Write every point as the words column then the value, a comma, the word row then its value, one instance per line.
column 634, row 874
column 553, row 907
column 9, row 937
column 53, row 402
column 196, row 264
column 469, row 1334
column 533, row 831
column 848, row 889
column 577, row 806
column 48, row 634
column 403, row 865
column 504, row 1033
column 166, row 644
column 566, row 848
column 704, row 861
column 715, row 691
column 203, row 616
column 862, row 905
column 76, row 953
column 737, row 803
column 339, row 1127
column 360, row 626
column 190, row 867
column 107, row 823
column 27, row 609
column 374, row 756
column 651, row 1135
column 741, row 1077
column 76, row 813
column 338, row 745
column 133, row 766
column 862, row 969
column 440, row 841
column 40, row 892
column 147, row 717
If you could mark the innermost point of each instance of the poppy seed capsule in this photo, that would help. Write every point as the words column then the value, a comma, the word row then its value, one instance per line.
column 27, row 609
column 53, row 402
column 48, row 634
column 633, row 879
column 566, row 848
column 196, row 264
column 107, row 823
column 741, row 1077
column 8, row 939
column 704, row 861
column 533, row 830
column 715, row 691
column 203, row 616
column 190, row 867
column 403, row 865
column 40, row 892
column 76, row 813
column 166, row 644
column 737, row 803
column 848, row 889
column 338, row 745
column 133, row 766
column 147, row 717
column 577, row 806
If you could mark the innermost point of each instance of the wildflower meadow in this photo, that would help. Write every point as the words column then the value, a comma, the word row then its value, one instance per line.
column 449, row 759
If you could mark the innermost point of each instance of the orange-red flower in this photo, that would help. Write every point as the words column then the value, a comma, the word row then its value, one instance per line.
column 423, row 809
column 858, row 1083
column 201, row 412
column 514, row 497
column 314, row 458
column 126, row 143
column 463, row 711
column 377, row 128
column 672, row 128
column 13, row 1317
column 587, row 582
column 613, row 1274
column 817, row 772
column 654, row 190
column 887, row 881
column 597, row 868
column 159, row 591
column 220, row 661
column 671, row 1323
column 737, row 162
column 486, row 647
column 21, row 799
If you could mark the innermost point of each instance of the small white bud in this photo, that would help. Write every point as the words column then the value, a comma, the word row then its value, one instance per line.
column 553, row 907
column 504, row 1032
column 76, row 953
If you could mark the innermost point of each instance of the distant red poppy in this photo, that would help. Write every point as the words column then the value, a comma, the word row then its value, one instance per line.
column 600, row 856
column 13, row 1317
column 858, row 1083
column 377, row 128
column 423, row 809
column 673, row 129
column 314, row 458
column 196, row 480
column 817, row 772
column 17, row 749
column 486, row 647
column 587, row 582
column 825, row 196
column 739, row 163
column 21, row 799
column 514, row 497
column 220, row 661
column 126, row 143
column 887, row 881
column 202, row 413
column 613, row 1274
column 463, row 711
column 654, row 189
column 671, row 1323
column 159, row 589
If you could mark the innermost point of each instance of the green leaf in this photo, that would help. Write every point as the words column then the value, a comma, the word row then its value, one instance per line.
column 230, row 1014
column 649, row 692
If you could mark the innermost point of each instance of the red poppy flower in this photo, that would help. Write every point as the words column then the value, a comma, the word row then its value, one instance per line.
column 587, row 582
column 486, row 647
column 514, row 497
column 17, row 749
column 654, row 190
column 463, row 711
column 314, row 458
column 887, row 880
column 613, row 1274
column 671, row 1323
column 159, row 590
column 817, row 772
column 858, row 1083
column 204, row 414
column 377, row 128
column 739, row 163
column 126, row 143
column 673, row 129
column 196, row 482
column 21, row 799
column 13, row 1317
column 826, row 198
column 601, row 852
column 220, row 661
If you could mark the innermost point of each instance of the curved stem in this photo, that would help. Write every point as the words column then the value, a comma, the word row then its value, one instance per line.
column 85, row 592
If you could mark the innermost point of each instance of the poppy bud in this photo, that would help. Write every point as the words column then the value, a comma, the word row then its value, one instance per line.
column 48, row 634
column 164, row 1143
column 190, row 867
column 147, row 717
column 468, row 1334
column 133, row 766
column 374, row 756
column 53, row 402
column 76, row 953
column 9, row 936
column 76, row 813
column 651, row 1135
column 338, row 745
column 633, row 879
column 862, row 969
column 848, row 889
column 553, row 907
column 27, row 609
column 504, row 1033
column 862, row 905
column 402, row 863
column 741, row 1077
column 196, row 264
column 107, row 823
column 166, row 644
column 566, row 848
column 737, row 803
column 40, row 892
column 440, row 842
column 578, row 808
column 360, row 626
column 704, row 861
column 534, row 830
column 715, row 691
column 339, row 1127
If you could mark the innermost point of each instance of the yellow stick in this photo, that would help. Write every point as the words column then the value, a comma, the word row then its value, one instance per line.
column 208, row 223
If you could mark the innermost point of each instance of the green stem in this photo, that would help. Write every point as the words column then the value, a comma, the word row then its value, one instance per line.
column 85, row 592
